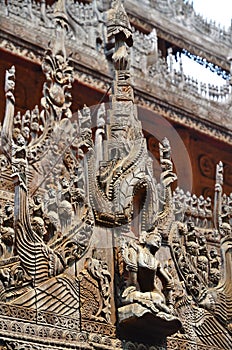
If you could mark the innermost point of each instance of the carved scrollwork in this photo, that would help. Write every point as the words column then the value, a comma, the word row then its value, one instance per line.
column 56, row 90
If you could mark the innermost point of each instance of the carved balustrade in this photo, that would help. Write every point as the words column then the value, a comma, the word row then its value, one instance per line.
column 183, row 12
column 88, row 31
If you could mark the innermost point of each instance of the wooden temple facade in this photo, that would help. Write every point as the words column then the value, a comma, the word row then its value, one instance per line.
column 115, row 186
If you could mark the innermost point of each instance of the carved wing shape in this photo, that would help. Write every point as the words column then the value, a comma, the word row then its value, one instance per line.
column 58, row 295
column 223, row 309
column 38, row 260
column 211, row 332
column 91, row 302
column 33, row 255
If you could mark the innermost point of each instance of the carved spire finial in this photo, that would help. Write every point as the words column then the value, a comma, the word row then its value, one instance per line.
column 61, row 21
column 60, row 10
column 118, row 23
column 119, row 28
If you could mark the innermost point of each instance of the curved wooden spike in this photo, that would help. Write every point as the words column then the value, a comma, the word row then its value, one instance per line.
column 9, row 112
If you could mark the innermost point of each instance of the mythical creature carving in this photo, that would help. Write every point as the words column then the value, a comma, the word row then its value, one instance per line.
column 95, row 290
column 36, row 255
column 206, row 272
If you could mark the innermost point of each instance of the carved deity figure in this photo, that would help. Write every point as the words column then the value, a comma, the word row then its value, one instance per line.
column 202, row 259
column 65, row 207
column 35, row 127
column 19, row 154
column 214, row 273
column 85, row 118
column 191, row 242
column 225, row 230
column 143, row 268
column 52, row 208
column 7, row 232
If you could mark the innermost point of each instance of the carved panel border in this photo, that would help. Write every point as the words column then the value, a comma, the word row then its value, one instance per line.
column 176, row 343
column 38, row 317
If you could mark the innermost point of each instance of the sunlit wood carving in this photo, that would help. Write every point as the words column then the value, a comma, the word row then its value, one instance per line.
column 95, row 253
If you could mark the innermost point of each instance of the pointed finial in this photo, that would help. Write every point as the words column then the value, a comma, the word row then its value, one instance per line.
column 62, row 24
column 118, row 23
column 119, row 28
column 60, row 13
column 219, row 173
column 165, row 149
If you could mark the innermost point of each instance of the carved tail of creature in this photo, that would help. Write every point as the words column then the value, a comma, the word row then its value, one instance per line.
column 167, row 178
column 222, row 294
column 6, row 134
column 223, row 302
column 214, row 327
column 37, row 259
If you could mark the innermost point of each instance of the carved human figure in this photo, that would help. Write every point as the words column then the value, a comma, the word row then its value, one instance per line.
column 143, row 268
column 178, row 201
column 202, row 250
column 19, row 161
column 65, row 206
column 52, row 207
column 4, row 162
column 7, row 231
column 202, row 264
column 214, row 271
column 208, row 212
column 225, row 230
column 85, row 118
column 38, row 208
column 26, row 119
column 224, row 206
column 187, row 205
column 191, row 243
column 193, row 208
column 201, row 211
column 78, row 189
column 8, row 219
column 38, row 226
column 26, row 133
column 35, row 127
column 17, row 120
column 5, row 242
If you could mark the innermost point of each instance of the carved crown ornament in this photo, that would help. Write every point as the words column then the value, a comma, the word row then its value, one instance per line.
column 95, row 253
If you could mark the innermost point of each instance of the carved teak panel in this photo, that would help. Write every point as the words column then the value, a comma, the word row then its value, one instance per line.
column 94, row 252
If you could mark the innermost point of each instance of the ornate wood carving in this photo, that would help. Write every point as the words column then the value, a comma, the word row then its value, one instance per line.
column 95, row 253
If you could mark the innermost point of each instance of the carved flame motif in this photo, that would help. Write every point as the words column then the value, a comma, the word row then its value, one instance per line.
column 59, row 76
